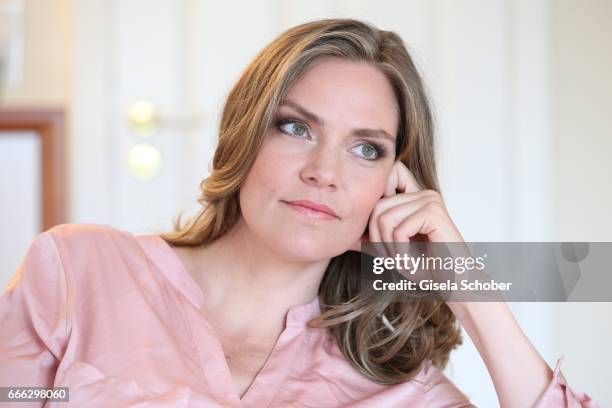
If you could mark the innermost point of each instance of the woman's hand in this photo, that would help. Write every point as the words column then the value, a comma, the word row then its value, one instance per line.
column 408, row 213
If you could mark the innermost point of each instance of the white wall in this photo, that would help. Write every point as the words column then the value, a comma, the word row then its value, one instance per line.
column 583, row 119
column 20, row 212
column 582, row 130
column 48, row 55
column 46, row 82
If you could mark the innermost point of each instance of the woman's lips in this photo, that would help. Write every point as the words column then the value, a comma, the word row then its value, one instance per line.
column 310, row 212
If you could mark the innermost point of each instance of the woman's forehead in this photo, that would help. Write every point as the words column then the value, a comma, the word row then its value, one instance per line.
column 339, row 90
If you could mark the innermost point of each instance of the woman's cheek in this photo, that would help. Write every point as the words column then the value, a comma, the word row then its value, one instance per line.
column 365, row 200
column 370, row 195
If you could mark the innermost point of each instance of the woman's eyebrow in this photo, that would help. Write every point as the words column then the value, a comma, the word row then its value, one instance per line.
column 357, row 132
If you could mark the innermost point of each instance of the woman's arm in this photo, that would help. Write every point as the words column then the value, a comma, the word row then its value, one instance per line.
column 520, row 375
column 33, row 319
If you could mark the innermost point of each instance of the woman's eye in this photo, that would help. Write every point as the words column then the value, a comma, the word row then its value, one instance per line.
column 287, row 125
column 368, row 151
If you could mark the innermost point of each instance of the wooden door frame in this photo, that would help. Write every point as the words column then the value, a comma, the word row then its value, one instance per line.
column 49, row 125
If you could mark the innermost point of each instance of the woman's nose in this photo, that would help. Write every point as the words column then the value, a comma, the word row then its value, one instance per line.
column 323, row 166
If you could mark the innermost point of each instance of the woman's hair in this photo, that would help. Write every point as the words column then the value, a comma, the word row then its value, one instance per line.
column 387, row 340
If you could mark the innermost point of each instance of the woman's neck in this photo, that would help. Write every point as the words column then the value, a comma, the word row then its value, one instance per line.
column 246, row 284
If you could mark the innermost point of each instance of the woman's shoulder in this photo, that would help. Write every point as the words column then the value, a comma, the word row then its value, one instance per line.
column 79, row 232
column 95, row 256
column 91, row 238
column 91, row 246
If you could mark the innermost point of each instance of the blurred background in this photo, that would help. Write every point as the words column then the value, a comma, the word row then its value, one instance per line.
column 109, row 111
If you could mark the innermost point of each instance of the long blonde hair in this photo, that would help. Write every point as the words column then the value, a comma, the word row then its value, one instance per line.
column 389, row 350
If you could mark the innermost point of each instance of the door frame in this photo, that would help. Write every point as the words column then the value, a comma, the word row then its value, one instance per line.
column 49, row 126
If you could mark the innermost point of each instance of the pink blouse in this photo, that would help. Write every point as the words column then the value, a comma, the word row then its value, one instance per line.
column 116, row 318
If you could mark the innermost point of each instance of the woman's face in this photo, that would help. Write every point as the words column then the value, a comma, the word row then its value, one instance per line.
column 332, row 142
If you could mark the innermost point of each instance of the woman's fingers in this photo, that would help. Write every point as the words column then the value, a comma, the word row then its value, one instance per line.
column 408, row 213
column 388, row 214
column 389, row 202
column 415, row 223
column 389, row 220
column 401, row 187
column 401, row 180
column 431, row 220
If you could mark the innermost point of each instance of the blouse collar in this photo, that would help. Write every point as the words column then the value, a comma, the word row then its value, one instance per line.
column 175, row 271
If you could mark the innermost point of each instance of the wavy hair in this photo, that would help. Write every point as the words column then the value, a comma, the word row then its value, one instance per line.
column 386, row 340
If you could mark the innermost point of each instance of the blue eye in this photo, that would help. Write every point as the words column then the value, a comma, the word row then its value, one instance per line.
column 297, row 127
column 370, row 151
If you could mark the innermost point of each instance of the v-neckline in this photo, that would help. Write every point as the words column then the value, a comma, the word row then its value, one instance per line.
column 173, row 268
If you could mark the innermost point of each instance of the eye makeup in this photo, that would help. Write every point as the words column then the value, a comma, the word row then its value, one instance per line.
column 280, row 122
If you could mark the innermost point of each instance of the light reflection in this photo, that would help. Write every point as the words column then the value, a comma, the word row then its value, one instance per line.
column 144, row 161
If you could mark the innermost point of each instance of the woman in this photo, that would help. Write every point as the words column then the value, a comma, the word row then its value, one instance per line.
column 324, row 143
